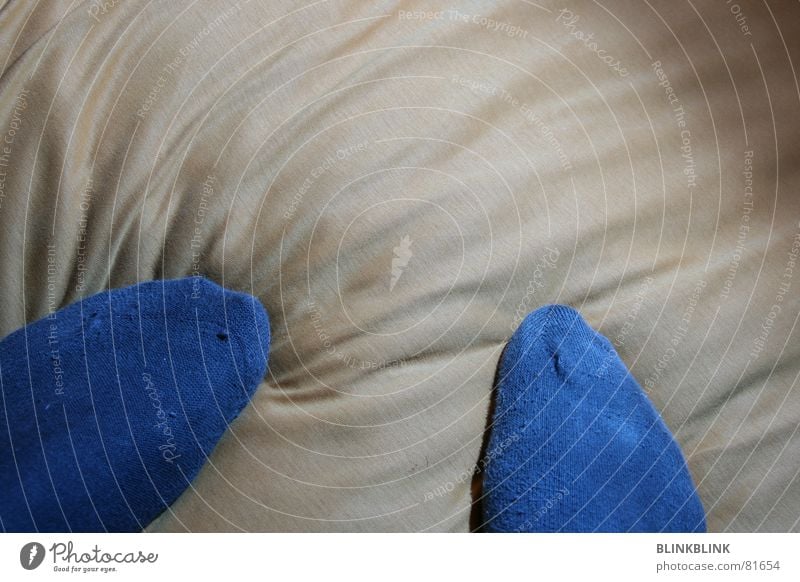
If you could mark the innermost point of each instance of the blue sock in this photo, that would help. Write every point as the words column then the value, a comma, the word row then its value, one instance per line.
column 110, row 406
column 575, row 443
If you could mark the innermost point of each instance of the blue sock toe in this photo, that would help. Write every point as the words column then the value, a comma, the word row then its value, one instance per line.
column 575, row 443
column 110, row 406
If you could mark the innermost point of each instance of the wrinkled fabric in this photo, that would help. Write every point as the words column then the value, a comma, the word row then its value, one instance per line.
column 399, row 189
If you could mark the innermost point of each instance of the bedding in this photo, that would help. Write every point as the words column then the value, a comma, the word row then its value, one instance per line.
column 399, row 183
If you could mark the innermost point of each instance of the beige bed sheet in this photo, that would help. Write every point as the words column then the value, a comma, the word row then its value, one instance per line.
column 399, row 183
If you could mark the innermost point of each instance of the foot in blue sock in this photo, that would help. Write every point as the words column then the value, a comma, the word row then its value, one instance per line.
column 575, row 443
column 110, row 406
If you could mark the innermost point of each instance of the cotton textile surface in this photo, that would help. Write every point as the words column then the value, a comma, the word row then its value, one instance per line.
column 399, row 183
